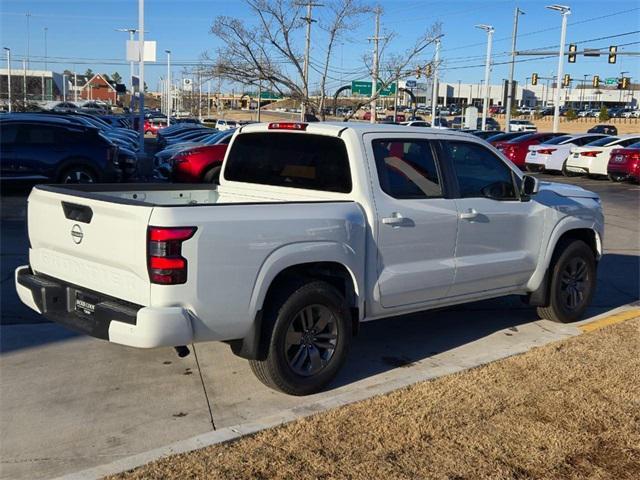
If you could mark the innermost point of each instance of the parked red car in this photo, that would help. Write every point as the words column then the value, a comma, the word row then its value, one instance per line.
column 624, row 164
column 517, row 148
column 153, row 125
column 199, row 164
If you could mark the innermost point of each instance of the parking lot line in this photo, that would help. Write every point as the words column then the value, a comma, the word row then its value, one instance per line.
column 610, row 320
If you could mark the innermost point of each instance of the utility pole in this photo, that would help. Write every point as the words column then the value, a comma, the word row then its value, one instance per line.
column 374, row 77
column 395, row 97
column 168, row 93
column 8, row 50
column 309, row 20
column 199, row 94
column 64, row 87
column 565, row 11
column 259, row 98
column 510, row 92
column 487, row 68
column 75, row 86
column 46, row 29
column 209, row 98
column 24, row 84
column 28, row 15
column 434, row 87
column 141, row 72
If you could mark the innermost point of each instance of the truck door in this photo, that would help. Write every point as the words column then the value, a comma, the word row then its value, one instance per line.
column 498, row 234
column 416, row 224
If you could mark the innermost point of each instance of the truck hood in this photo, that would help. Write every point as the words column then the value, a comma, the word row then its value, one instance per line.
column 567, row 190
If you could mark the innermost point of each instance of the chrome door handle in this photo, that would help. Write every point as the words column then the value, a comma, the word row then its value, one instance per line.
column 470, row 214
column 396, row 218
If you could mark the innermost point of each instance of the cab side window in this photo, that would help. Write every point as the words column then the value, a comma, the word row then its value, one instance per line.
column 407, row 168
column 479, row 172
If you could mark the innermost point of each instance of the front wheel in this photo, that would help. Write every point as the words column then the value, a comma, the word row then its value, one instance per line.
column 573, row 282
column 309, row 341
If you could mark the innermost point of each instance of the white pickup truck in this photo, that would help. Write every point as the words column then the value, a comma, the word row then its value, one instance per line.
column 313, row 229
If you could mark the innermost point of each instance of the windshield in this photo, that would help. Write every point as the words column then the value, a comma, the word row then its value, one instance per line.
column 558, row 140
column 602, row 142
column 213, row 139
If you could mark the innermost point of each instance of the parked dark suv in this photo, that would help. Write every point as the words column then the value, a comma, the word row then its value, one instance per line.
column 55, row 150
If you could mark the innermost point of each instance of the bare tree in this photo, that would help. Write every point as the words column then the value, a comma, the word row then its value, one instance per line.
column 267, row 51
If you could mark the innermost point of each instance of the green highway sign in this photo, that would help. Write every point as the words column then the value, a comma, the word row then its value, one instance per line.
column 611, row 81
column 364, row 88
column 270, row 96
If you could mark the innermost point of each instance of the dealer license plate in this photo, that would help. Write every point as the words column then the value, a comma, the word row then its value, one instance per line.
column 85, row 303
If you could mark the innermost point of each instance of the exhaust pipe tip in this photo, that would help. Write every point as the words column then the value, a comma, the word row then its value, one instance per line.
column 182, row 351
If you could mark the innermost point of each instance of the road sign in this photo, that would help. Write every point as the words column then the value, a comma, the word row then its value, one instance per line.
column 270, row 96
column 364, row 88
column 611, row 81
column 133, row 51
column 411, row 84
column 187, row 85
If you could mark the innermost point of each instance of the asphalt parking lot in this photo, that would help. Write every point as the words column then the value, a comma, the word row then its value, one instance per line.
column 69, row 402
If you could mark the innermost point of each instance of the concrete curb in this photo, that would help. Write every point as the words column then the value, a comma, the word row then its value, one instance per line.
column 383, row 386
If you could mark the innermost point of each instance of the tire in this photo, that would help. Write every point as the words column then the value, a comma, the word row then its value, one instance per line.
column 616, row 178
column 572, row 282
column 297, row 361
column 78, row 174
column 212, row 175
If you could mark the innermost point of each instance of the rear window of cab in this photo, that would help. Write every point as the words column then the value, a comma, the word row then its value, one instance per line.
column 294, row 160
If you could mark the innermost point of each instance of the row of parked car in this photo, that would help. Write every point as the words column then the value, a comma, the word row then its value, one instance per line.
column 70, row 147
column 593, row 154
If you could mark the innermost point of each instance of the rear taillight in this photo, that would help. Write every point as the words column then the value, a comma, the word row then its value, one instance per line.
column 166, row 264
column 589, row 154
column 546, row 151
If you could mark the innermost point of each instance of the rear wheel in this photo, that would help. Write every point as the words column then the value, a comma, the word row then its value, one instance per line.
column 616, row 178
column 573, row 282
column 309, row 341
column 78, row 174
column 212, row 175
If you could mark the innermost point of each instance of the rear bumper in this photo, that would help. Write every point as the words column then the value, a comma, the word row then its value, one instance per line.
column 112, row 319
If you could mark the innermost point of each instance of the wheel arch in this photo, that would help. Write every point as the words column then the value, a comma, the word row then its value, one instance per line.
column 565, row 232
column 332, row 262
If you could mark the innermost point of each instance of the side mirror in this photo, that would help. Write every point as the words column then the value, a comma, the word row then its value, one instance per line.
column 530, row 186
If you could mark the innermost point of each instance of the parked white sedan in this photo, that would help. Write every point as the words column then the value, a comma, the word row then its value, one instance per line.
column 552, row 154
column 592, row 159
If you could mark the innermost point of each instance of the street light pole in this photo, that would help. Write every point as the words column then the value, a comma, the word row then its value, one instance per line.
column 565, row 11
column 8, row 50
column 434, row 84
column 46, row 29
column 169, row 99
column 510, row 92
column 485, row 103
column 24, row 84
column 141, row 72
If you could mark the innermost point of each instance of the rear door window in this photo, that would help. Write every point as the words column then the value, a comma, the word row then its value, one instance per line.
column 407, row 168
column 314, row 162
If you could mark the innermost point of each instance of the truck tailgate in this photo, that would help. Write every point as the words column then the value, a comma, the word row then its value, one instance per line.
column 95, row 244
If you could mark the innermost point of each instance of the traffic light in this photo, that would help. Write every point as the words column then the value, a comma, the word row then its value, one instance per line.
column 625, row 83
column 534, row 79
column 596, row 81
column 573, row 48
column 613, row 50
column 428, row 70
column 566, row 80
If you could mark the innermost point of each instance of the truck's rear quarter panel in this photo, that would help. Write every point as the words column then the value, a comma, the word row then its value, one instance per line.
column 236, row 244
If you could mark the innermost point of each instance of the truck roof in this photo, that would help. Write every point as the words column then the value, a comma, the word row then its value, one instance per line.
column 336, row 128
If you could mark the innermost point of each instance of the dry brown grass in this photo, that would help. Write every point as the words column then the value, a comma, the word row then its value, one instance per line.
column 568, row 410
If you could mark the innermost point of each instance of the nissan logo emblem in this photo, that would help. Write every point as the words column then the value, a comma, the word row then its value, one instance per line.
column 76, row 234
